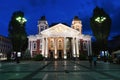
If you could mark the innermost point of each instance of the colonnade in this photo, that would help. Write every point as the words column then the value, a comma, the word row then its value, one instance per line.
column 75, row 48
column 75, row 44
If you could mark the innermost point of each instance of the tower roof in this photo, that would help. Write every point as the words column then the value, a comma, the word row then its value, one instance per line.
column 43, row 18
column 76, row 18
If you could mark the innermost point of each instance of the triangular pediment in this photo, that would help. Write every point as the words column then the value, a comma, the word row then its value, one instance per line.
column 60, row 30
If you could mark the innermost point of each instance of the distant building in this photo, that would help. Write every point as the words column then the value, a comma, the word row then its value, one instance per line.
column 5, row 46
column 59, row 41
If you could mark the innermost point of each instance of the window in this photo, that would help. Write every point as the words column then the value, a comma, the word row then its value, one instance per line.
column 45, row 27
column 84, row 45
column 42, row 29
column 77, row 29
column 60, row 44
column 34, row 45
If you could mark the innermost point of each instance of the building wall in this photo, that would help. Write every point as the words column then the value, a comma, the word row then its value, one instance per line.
column 5, row 46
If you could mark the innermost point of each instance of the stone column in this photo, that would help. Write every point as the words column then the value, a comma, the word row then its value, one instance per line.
column 55, row 42
column 43, row 46
column 77, row 48
column 73, row 46
column 65, row 55
column 46, row 51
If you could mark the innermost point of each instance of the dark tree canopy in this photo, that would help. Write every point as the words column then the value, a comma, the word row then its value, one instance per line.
column 100, row 23
column 17, row 32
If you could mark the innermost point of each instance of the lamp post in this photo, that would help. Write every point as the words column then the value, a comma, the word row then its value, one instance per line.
column 99, row 20
column 100, row 23
column 21, row 20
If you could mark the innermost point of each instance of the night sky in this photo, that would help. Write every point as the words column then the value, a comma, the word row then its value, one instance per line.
column 58, row 11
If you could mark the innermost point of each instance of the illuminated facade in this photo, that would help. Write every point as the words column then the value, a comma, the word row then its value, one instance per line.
column 59, row 41
column 5, row 47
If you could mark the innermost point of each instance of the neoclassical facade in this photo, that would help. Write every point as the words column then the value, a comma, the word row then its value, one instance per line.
column 59, row 41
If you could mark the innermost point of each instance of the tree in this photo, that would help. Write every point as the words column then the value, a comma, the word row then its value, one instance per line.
column 17, row 32
column 100, row 23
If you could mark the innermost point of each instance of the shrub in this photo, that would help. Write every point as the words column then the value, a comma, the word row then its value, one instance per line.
column 26, row 55
column 38, row 57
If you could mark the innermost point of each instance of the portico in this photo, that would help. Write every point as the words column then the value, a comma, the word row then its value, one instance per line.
column 60, row 41
column 56, row 43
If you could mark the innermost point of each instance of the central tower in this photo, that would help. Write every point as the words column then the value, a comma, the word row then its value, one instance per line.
column 77, row 24
column 42, row 24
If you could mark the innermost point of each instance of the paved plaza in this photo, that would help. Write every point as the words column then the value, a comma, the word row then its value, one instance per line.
column 59, row 70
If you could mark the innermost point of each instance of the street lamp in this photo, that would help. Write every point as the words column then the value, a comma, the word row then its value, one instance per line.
column 21, row 20
column 100, row 19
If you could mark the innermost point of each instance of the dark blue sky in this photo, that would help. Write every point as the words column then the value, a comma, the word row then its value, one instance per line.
column 58, row 11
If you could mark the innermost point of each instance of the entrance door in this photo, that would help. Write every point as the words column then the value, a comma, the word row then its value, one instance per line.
column 68, row 55
column 69, row 48
column 60, row 54
column 51, row 55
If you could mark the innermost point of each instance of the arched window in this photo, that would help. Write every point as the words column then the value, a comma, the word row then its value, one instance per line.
column 52, row 43
column 60, row 43
column 34, row 45
column 42, row 28
column 77, row 29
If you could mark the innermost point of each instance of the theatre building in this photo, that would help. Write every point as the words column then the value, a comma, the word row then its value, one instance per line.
column 59, row 41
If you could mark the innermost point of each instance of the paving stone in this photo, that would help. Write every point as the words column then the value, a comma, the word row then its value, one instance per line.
column 59, row 70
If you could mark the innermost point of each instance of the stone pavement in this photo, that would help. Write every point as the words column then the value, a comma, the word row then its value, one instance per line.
column 58, row 70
